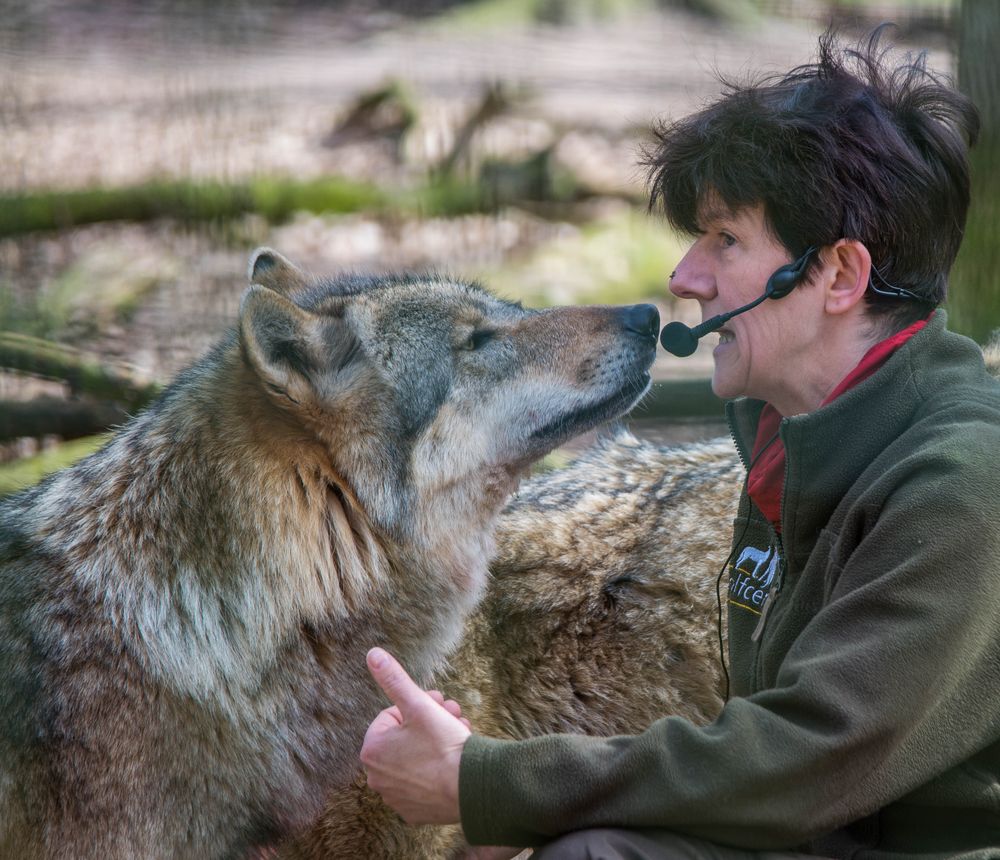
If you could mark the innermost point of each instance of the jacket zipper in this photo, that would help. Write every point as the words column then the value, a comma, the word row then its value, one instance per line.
column 779, row 548
column 737, row 446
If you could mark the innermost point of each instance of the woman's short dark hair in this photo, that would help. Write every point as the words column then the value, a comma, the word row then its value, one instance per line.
column 851, row 146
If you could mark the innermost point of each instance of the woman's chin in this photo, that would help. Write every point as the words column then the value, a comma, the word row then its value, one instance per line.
column 725, row 387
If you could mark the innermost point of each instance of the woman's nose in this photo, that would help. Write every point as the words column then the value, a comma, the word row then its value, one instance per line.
column 692, row 279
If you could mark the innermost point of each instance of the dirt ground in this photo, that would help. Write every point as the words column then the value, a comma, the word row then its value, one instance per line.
column 117, row 105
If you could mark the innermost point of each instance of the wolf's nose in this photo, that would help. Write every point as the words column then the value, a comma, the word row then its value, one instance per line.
column 642, row 319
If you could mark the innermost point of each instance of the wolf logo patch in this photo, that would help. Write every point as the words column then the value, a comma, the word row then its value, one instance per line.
column 752, row 576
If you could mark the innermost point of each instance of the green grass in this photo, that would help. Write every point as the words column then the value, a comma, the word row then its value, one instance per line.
column 19, row 474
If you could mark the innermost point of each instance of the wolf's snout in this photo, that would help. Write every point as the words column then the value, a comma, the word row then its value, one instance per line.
column 642, row 319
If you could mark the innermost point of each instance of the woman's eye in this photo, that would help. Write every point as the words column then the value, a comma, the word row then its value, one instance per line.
column 477, row 339
column 727, row 240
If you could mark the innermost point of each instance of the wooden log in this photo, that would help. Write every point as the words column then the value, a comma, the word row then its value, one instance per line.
column 83, row 373
column 69, row 419
column 191, row 202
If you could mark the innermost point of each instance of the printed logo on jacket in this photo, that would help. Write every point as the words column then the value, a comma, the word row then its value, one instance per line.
column 751, row 577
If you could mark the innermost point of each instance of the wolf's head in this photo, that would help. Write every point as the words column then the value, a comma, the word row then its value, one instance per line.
column 424, row 388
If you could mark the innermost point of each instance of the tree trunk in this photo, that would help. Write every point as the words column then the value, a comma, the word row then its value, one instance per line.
column 974, row 292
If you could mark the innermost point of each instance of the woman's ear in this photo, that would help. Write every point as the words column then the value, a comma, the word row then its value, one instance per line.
column 850, row 265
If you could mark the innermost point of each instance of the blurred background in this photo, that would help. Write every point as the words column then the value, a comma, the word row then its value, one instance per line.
column 148, row 146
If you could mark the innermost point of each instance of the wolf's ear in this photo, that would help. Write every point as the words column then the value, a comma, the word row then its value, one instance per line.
column 281, row 341
column 269, row 269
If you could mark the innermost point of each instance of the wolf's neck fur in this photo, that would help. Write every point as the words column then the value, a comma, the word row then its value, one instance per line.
column 235, row 532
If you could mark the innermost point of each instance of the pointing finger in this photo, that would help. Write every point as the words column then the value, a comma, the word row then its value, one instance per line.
column 395, row 683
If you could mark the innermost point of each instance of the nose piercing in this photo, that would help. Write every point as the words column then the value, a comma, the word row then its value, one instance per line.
column 674, row 272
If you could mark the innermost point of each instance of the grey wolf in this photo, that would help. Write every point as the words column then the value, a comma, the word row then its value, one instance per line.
column 184, row 615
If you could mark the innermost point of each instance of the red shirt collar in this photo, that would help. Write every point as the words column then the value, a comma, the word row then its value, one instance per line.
column 766, row 481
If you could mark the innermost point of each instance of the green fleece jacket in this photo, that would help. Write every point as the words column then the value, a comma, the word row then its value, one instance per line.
column 865, row 717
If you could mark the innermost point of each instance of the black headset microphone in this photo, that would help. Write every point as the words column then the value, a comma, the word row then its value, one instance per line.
column 681, row 340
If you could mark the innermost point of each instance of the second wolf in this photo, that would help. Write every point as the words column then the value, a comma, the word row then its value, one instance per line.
column 184, row 615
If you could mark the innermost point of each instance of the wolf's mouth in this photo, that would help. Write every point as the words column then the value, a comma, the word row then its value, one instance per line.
column 589, row 416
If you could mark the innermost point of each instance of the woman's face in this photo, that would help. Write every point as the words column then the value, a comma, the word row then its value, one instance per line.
column 763, row 353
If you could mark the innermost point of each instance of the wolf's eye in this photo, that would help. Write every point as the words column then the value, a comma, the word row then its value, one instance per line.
column 477, row 339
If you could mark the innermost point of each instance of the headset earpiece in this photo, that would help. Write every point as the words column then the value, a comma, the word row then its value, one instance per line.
column 784, row 279
column 782, row 282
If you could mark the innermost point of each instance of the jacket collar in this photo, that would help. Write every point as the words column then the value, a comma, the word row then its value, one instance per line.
column 828, row 449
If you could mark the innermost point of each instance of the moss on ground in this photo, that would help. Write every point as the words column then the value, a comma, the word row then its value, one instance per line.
column 275, row 199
